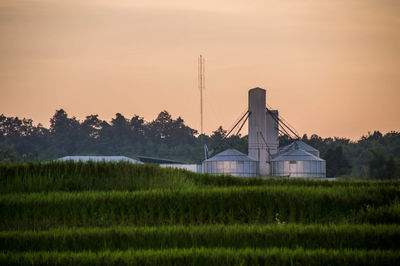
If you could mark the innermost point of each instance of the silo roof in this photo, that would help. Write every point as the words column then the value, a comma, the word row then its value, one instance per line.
column 297, row 155
column 300, row 145
column 230, row 155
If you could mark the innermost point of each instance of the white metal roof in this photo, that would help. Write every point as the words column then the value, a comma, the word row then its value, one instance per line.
column 230, row 155
column 98, row 159
column 300, row 145
column 297, row 155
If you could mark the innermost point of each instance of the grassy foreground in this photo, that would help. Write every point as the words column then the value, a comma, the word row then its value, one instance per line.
column 369, row 237
column 116, row 214
column 243, row 205
column 204, row 256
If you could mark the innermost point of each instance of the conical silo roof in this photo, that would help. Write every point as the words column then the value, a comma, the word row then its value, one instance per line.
column 230, row 155
column 299, row 145
column 297, row 155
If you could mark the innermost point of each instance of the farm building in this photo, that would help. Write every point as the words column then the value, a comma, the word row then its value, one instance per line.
column 264, row 155
column 99, row 159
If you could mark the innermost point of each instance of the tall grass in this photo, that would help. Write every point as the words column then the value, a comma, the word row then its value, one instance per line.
column 206, row 256
column 71, row 176
column 119, row 213
column 210, row 236
column 253, row 205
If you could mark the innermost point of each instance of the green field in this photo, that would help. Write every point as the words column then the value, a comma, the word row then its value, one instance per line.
column 107, row 213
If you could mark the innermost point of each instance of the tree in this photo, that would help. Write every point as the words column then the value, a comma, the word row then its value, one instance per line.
column 64, row 133
column 137, row 127
column 159, row 130
column 217, row 141
column 172, row 138
column 60, row 123
column 91, row 127
column 284, row 140
column 181, row 134
column 381, row 167
column 169, row 131
column 336, row 162
column 9, row 156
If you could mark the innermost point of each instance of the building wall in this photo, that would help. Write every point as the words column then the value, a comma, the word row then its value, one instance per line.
column 316, row 169
column 235, row 168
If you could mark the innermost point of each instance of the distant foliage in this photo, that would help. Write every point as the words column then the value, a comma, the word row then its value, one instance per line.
column 166, row 137
column 374, row 156
column 337, row 163
column 382, row 167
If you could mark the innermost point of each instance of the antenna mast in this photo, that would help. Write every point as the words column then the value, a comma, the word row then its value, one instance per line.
column 201, row 71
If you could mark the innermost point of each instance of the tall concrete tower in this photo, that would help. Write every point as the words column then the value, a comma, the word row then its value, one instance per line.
column 258, row 130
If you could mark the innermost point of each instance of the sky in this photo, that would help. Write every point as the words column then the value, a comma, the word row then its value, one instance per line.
column 331, row 67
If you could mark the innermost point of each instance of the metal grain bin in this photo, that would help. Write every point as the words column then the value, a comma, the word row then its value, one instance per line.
column 298, row 163
column 231, row 162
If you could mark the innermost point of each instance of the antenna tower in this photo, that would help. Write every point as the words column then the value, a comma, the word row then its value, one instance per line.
column 201, row 71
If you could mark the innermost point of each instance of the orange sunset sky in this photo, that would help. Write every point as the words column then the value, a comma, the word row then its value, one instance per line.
column 331, row 67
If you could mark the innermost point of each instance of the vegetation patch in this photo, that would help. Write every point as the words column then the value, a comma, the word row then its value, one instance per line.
column 117, row 213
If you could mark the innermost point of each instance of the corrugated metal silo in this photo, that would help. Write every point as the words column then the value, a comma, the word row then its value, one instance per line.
column 298, row 163
column 231, row 162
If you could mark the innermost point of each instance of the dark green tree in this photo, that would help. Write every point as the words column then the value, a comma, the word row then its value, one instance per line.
column 173, row 139
column 8, row 156
column 381, row 167
column 336, row 162
column 64, row 134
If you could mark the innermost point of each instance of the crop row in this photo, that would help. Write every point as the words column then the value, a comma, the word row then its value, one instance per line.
column 201, row 206
column 70, row 176
column 211, row 236
column 203, row 256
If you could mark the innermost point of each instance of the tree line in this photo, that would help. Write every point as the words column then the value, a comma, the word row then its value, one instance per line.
column 373, row 156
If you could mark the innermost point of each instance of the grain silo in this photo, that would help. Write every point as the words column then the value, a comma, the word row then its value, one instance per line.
column 231, row 162
column 257, row 146
column 265, row 158
column 296, row 162
column 263, row 137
